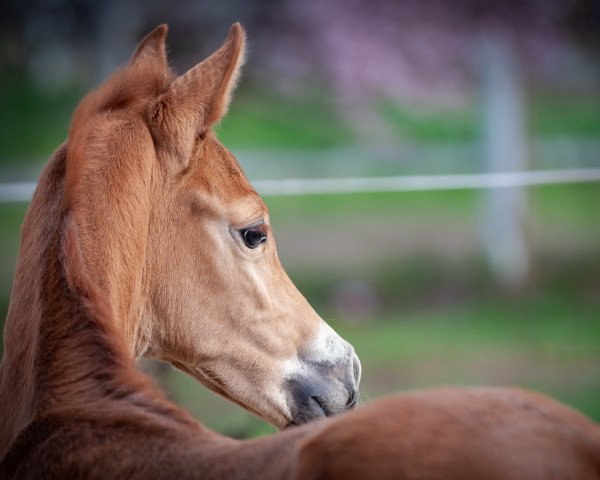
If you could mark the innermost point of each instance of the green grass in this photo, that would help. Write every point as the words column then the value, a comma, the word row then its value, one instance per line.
column 290, row 209
column 549, row 116
column 547, row 342
column 431, row 125
column 257, row 120
column 565, row 115
column 33, row 122
column 11, row 217
column 568, row 204
column 556, row 326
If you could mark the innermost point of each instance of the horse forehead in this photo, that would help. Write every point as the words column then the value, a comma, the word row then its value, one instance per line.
column 219, row 173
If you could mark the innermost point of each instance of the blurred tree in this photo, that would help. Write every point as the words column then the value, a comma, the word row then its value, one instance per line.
column 409, row 52
column 583, row 22
column 62, row 42
column 48, row 41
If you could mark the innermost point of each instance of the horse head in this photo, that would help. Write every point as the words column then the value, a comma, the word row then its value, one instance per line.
column 173, row 231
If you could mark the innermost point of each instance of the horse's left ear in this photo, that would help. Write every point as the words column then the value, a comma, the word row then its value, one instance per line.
column 151, row 50
column 205, row 90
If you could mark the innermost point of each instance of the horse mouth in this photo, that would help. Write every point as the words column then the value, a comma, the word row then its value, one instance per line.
column 317, row 410
column 313, row 410
column 321, row 406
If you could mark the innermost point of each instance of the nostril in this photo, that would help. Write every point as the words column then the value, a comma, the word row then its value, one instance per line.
column 351, row 400
column 356, row 369
column 321, row 406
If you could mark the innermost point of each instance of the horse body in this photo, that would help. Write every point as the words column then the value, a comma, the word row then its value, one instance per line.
column 145, row 238
column 134, row 442
column 453, row 433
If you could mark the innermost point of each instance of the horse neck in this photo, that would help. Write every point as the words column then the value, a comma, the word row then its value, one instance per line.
column 21, row 330
column 61, row 341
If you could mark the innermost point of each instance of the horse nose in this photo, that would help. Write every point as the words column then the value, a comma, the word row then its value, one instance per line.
column 324, row 392
column 313, row 398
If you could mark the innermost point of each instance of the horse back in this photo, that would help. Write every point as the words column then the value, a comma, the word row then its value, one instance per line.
column 483, row 433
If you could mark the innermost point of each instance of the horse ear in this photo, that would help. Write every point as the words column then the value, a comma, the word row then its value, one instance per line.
column 151, row 50
column 205, row 90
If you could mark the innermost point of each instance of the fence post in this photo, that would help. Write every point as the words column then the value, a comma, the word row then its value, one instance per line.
column 504, row 149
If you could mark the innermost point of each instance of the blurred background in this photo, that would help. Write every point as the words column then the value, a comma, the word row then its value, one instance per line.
column 462, row 285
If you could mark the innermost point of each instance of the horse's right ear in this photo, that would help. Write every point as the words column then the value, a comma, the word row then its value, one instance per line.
column 151, row 51
column 198, row 99
column 202, row 95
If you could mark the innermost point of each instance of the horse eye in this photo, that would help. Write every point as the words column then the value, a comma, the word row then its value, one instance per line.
column 253, row 236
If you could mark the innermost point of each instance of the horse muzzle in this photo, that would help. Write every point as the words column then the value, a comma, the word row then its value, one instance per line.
column 323, row 389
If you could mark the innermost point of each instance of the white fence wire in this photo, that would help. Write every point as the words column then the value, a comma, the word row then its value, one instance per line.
column 22, row 191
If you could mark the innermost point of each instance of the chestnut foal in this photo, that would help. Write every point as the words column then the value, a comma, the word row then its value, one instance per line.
column 145, row 238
